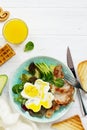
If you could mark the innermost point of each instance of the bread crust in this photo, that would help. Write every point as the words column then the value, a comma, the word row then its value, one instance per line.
column 71, row 123
column 82, row 74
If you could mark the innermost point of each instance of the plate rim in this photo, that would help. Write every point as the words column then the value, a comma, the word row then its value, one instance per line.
column 38, row 120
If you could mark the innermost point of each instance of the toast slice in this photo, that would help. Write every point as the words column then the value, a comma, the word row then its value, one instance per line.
column 82, row 74
column 72, row 123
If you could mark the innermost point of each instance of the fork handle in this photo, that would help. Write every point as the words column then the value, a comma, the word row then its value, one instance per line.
column 83, row 106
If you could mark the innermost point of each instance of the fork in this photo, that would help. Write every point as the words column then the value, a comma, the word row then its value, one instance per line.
column 75, row 83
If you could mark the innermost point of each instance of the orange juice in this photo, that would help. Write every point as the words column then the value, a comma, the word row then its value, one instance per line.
column 15, row 31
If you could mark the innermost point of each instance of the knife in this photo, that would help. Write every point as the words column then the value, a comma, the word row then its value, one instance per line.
column 71, row 66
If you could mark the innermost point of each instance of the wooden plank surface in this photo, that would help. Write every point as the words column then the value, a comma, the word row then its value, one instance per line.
column 52, row 21
column 53, row 25
column 45, row 3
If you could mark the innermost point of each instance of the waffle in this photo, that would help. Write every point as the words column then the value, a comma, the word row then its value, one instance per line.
column 6, row 52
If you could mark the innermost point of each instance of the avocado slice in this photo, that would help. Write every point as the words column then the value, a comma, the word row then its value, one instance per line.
column 3, row 81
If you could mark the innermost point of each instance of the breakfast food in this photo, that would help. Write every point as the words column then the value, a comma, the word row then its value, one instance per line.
column 3, row 15
column 15, row 31
column 72, row 123
column 82, row 74
column 6, row 52
column 3, row 81
column 42, row 90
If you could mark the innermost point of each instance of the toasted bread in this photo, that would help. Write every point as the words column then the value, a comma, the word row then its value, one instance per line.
column 72, row 123
column 82, row 74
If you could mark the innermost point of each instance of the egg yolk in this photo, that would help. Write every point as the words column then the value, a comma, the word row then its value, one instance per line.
column 45, row 104
column 34, row 107
column 31, row 91
column 38, row 95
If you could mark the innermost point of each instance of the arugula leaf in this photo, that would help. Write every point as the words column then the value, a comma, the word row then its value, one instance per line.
column 29, row 46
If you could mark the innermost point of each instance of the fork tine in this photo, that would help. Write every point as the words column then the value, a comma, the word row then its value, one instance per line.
column 74, row 82
column 70, row 78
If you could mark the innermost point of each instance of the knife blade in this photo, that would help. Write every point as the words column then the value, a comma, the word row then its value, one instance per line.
column 70, row 62
column 71, row 66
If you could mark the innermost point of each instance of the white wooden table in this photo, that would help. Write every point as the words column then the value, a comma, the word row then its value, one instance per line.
column 53, row 25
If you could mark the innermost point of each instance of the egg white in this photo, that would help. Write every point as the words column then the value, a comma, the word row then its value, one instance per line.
column 23, row 92
column 42, row 98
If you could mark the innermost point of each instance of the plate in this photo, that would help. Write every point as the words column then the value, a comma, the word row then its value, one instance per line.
column 15, row 79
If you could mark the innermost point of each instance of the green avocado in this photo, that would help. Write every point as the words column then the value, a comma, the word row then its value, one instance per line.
column 3, row 81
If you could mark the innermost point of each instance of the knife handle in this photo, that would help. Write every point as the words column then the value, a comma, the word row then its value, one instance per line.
column 83, row 106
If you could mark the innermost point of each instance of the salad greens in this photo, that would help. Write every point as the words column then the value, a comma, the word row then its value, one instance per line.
column 46, row 74
column 36, row 71
column 29, row 46
column 17, row 88
column 58, row 82
column 19, row 99
column 25, row 78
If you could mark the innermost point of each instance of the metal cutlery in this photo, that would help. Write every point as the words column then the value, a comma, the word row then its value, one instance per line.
column 75, row 82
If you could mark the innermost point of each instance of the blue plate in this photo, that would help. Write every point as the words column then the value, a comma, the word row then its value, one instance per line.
column 16, row 79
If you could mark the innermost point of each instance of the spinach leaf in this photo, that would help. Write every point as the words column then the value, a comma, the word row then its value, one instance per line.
column 59, row 82
column 17, row 88
column 29, row 46
column 20, row 99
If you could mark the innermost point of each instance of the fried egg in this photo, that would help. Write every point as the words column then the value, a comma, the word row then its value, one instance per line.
column 33, row 104
column 47, row 100
column 44, row 86
column 37, row 95
column 29, row 91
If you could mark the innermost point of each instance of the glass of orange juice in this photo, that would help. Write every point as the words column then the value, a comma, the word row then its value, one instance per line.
column 15, row 31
